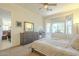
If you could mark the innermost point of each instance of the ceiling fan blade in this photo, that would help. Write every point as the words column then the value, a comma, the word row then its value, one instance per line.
column 53, row 4
column 49, row 9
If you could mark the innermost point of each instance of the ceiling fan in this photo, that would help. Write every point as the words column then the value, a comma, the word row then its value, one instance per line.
column 47, row 5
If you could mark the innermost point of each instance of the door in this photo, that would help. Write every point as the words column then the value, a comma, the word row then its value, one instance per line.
column 0, row 30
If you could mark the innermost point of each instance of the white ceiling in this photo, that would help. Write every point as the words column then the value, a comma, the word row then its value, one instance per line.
column 61, row 7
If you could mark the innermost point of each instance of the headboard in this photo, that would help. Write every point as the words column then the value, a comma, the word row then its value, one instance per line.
column 59, row 35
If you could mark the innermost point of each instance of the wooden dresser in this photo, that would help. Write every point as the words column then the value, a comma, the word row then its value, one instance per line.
column 28, row 37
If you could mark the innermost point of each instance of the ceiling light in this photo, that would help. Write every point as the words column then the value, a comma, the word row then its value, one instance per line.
column 45, row 6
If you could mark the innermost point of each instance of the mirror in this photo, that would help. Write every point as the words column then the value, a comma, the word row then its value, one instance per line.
column 28, row 26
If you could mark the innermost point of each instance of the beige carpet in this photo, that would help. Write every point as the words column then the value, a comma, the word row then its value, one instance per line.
column 19, row 51
column 5, row 44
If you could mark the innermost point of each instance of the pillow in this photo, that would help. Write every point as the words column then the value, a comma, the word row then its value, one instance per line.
column 75, row 43
column 59, row 35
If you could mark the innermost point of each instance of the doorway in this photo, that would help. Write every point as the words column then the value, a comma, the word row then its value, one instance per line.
column 5, row 19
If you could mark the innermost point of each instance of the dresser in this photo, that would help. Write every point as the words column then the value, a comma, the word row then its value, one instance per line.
column 28, row 37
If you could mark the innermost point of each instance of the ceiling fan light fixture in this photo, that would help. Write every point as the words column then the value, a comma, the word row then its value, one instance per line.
column 45, row 6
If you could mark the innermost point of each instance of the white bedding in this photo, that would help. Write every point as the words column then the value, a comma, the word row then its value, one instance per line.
column 51, row 47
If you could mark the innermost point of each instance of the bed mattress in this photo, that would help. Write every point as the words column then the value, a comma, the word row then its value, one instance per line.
column 50, row 47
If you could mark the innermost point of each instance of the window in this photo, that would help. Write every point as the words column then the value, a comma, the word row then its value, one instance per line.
column 69, row 25
column 54, row 27
column 61, row 27
column 48, row 26
column 58, row 27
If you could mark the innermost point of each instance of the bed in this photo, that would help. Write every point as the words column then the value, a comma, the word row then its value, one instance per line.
column 52, row 47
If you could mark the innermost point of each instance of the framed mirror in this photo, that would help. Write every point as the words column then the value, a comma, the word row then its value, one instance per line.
column 28, row 26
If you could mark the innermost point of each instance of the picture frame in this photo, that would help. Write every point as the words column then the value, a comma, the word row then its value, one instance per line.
column 18, row 24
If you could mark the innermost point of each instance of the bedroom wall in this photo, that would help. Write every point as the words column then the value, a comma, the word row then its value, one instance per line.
column 61, row 16
column 23, row 15
column 75, row 20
